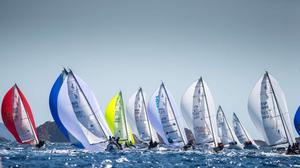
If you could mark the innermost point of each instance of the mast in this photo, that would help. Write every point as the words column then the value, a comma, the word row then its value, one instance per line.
column 121, row 99
column 278, row 108
column 220, row 108
column 212, row 130
column 140, row 90
column 242, row 126
column 31, row 126
column 162, row 84
column 88, row 103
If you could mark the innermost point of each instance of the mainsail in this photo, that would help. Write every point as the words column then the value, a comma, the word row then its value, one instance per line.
column 198, row 108
column 116, row 119
column 18, row 118
column 166, row 119
column 80, row 113
column 297, row 121
column 224, row 130
column 268, row 110
column 138, row 116
column 240, row 131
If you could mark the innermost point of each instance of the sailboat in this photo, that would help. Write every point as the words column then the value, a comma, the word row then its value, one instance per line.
column 268, row 110
column 197, row 106
column 75, row 109
column 297, row 120
column 116, row 119
column 139, row 118
column 242, row 134
column 166, row 120
column 18, row 119
column 225, row 132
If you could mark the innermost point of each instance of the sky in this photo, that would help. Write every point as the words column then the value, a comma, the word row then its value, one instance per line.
column 121, row 45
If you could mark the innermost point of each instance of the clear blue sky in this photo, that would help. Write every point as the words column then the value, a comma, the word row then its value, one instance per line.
column 116, row 45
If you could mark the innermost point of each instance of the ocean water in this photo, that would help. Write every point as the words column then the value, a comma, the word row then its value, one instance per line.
column 64, row 155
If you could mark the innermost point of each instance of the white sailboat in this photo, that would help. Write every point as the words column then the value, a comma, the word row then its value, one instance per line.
column 242, row 134
column 139, row 119
column 268, row 110
column 197, row 106
column 80, row 114
column 166, row 119
column 227, row 136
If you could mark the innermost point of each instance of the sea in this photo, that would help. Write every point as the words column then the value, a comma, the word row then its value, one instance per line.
column 65, row 155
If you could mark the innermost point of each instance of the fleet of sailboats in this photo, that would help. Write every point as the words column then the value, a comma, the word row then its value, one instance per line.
column 78, row 116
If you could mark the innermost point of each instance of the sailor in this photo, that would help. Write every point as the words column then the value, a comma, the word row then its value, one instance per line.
column 189, row 145
column 40, row 144
column 118, row 143
column 152, row 144
column 110, row 144
column 219, row 147
column 289, row 150
column 129, row 144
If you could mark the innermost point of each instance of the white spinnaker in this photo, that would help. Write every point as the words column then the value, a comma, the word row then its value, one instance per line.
column 187, row 102
column 155, row 119
column 138, row 117
column 240, row 130
column 84, row 128
column 260, row 96
column 21, row 120
column 224, row 131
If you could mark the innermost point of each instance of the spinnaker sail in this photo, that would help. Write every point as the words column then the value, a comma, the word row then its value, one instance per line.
column 17, row 117
column 53, row 103
column 268, row 110
column 197, row 106
column 297, row 120
column 80, row 114
column 116, row 119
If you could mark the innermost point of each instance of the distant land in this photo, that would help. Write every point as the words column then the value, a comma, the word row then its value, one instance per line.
column 50, row 132
column 4, row 134
column 47, row 131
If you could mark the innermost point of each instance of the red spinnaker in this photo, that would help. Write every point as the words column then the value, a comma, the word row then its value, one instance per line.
column 18, row 118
